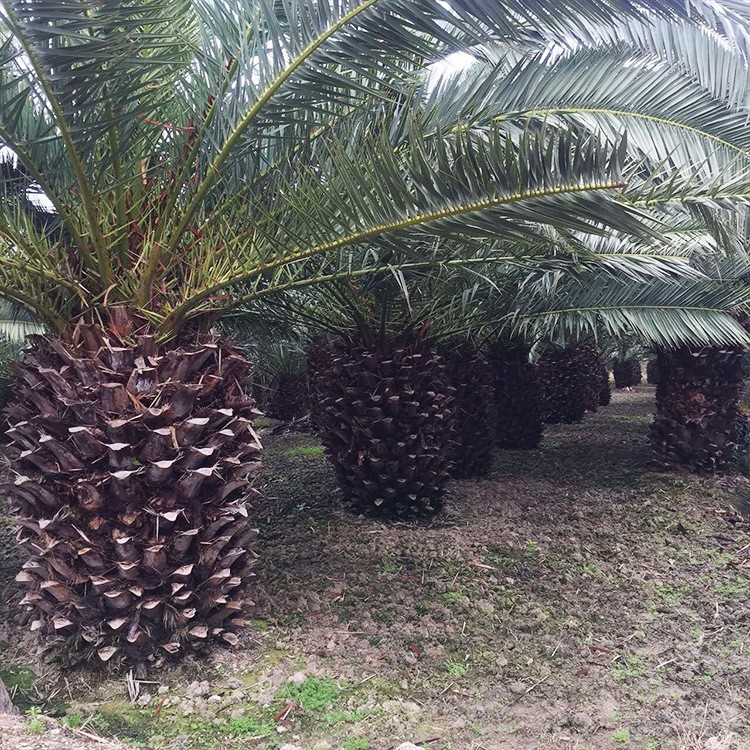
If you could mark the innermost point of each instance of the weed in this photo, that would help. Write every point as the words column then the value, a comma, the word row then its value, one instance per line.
column 73, row 720
column 450, row 597
column 388, row 566
column 670, row 594
column 36, row 725
column 622, row 736
column 244, row 726
column 456, row 668
column 733, row 588
column 355, row 743
column 628, row 667
column 652, row 745
column 314, row 694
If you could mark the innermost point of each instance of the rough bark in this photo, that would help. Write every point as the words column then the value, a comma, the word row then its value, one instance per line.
column 387, row 419
column 627, row 372
column 518, row 398
column 566, row 386
column 472, row 377
column 697, row 423
column 133, row 472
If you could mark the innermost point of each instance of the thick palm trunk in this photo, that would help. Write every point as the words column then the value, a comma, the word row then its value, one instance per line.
column 472, row 377
column 133, row 478
column 518, row 398
column 697, row 412
column 288, row 398
column 652, row 371
column 590, row 364
column 605, row 390
column 627, row 372
column 566, row 386
column 386, row 415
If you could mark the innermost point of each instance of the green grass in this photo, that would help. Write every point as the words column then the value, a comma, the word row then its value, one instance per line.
column 36, row 725
column 628, row 667
column 314, row 694
column 337, row 716
column 621, row 736
column 670, row 594
column 456, row 668
column 304, row 450
column 355, row 743
column 450, row 597
column 740, row 587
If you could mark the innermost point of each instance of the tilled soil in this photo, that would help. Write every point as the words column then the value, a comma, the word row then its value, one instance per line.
column 570, row 599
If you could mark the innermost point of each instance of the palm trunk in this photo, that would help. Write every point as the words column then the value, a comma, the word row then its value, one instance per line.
column 697, row 412
column 565, row 385
column 627, row 372
column 288, row 398
column 518, row 398
column 386, row 415
column 133, row 479
column 472, row 377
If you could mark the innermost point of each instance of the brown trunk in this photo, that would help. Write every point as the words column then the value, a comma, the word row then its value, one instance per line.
column 133, row 484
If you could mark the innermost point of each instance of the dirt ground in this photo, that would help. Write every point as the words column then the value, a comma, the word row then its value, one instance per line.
column 572, row 599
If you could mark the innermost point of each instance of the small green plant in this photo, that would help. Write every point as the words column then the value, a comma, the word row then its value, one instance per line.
column 531, row 547
column 628, row 667
column 355, row 743
column 652, row 745
column 740, row 587
column 36, row 725
column 456, row 668
column 670, row 594
column 244, row 726
column 314, row 695
column 622, row 736
column 389, row 566
column 450, row 597
column 74, row 720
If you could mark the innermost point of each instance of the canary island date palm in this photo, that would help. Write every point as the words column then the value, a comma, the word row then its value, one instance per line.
column 189, row 157
column 518, row 396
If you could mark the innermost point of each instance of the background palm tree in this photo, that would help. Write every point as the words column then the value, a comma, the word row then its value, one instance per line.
column 192, row 157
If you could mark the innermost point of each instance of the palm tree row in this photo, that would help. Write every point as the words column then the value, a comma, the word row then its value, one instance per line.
column 168, row 163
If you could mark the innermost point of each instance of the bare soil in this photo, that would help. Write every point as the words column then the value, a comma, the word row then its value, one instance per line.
column 572, row 598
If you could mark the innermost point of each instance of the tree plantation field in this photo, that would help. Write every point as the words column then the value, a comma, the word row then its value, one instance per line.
column 571, row 599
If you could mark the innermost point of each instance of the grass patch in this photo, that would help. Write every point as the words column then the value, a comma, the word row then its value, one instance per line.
column 313, row 695
column 304, row 450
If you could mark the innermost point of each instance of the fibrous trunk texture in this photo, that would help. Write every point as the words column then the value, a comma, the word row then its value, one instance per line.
column 566, row 386
column 590, row 364
column 472, row 377
column 288, row 398
column 605, row 390
column 652, row 371
column 697, row 416
column 518, row 398
column 627, row 372
column 317, row 356
column 133, row 479
column 387, row 420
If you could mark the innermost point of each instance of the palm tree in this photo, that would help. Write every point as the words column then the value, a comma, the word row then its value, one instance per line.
column 168, row 161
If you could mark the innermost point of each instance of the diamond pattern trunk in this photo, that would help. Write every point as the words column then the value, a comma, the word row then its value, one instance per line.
column 590, row 364
column 518, row 397
column 627, row 372
column 652, row 371
column 387, row 419
column 697, row 399
column 133, row 469
column 288, row 398
column 566, row 386
column 605, row 390
column 472, row 377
